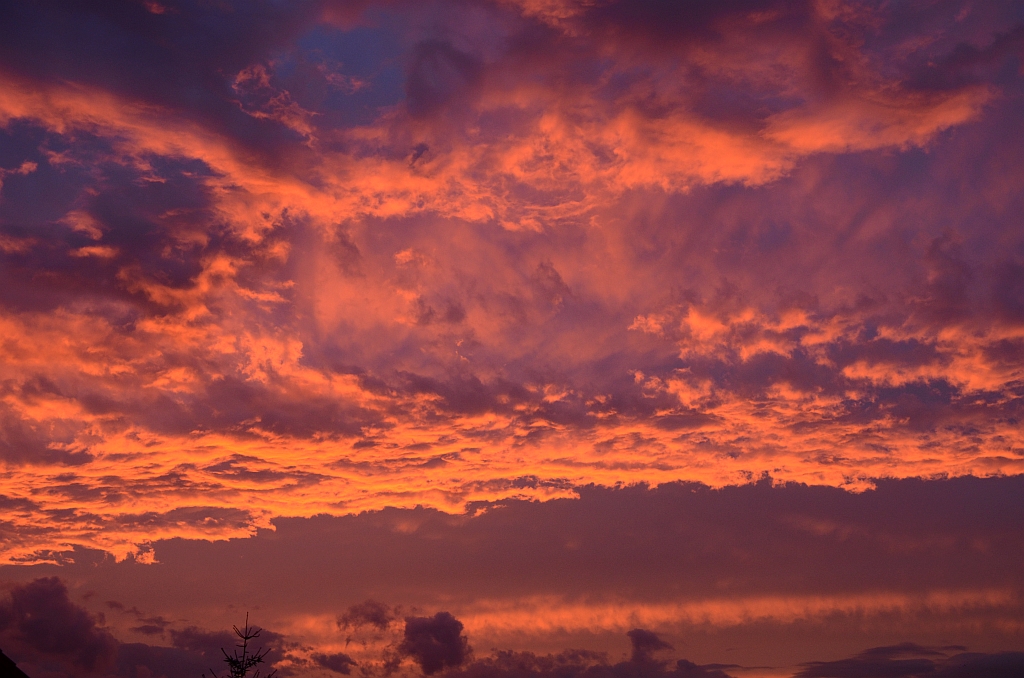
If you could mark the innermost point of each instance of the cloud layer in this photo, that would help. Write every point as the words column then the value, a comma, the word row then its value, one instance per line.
column 754, row 575
column 435, row 644
column 342, row 256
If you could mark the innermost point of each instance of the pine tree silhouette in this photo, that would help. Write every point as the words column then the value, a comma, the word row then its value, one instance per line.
column 242, row 662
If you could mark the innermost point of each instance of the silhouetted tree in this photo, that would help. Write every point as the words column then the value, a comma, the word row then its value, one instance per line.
column 242, row 662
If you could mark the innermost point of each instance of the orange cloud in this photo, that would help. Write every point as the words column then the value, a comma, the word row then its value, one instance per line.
column 591, row 263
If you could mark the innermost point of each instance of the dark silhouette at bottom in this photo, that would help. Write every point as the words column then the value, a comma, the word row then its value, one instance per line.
column 8, row 669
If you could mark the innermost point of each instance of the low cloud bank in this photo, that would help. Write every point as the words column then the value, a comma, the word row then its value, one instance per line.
column 46, row 633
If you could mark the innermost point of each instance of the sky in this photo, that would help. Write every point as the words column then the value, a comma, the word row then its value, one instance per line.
column 513, row 338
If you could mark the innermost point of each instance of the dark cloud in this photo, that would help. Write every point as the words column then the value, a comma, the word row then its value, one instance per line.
column 41, row 616
column 116, row 216
column 338, row 662
column 466, row 394
column 584, row 664
column 913, row 661
column 23, row 441
column 214, row 517
column 193, row 50
column 967, row 62
column 663, row 22
column 549, row 286
column 368, row 613
column 1008, row 292
column 440, row 75
column 435, row 643
column 149, row 629
column 133, row 659
column 910, row 536
column 645, row 643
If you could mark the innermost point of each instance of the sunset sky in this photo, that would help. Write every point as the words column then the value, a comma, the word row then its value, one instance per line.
column 513, row 338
